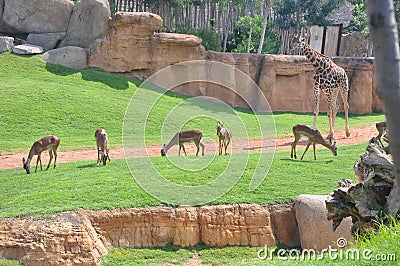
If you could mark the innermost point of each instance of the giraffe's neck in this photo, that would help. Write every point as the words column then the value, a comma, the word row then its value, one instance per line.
column 317, row 60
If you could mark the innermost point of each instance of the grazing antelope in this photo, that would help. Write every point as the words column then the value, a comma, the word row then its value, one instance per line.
column 224, row 137
column 101, row 142
column 314, row 137
column 381, row 127
column 49, row 143
column 182, row 137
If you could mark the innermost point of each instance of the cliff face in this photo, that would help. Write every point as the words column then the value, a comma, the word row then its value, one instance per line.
column 132, row 46
column 83, row 237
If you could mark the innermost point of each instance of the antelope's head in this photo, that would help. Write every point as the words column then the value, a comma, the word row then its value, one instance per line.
column 26, row 165
column 163, row 153
column 219, row 126
column 334, row 149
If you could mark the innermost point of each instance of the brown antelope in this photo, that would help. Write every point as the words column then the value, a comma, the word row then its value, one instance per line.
column 182, row 137
column 381, row 127
column 224, row 137
column 102, row 142
column 49, row 143
column 314, row 137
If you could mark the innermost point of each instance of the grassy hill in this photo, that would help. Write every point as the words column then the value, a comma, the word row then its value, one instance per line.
column 38, row 99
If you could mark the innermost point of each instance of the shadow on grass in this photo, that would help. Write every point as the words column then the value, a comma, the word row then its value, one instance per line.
column 94, row 75
column 91, row 165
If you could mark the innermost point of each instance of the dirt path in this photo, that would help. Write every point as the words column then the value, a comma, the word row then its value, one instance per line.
column 358, row 135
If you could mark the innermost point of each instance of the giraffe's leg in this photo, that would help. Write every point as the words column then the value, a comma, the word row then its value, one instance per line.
column 317, row 94
column 345, row 94
column 335, row 109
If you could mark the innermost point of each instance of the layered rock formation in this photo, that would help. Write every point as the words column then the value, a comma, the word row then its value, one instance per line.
column 132, row 46
column 83, row 237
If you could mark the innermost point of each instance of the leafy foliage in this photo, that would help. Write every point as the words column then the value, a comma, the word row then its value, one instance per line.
column 239, row 39
column 358, row 21
column 300, row 13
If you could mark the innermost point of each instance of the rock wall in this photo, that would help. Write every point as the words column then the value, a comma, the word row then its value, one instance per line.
column 286, row 82
column 132, row 46
column 83, row 237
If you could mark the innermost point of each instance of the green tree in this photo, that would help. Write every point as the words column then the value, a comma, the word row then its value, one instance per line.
column 300, row 13
column 239, row 40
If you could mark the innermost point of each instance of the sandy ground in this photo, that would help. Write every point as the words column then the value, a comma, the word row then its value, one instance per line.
column 358, row 135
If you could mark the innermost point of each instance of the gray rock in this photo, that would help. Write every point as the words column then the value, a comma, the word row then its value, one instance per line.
column 88, row 22
column 27, row 49
column 6, row 43
column 69, row 56
column 37, row 16
column 47, row 40
column 315, row 230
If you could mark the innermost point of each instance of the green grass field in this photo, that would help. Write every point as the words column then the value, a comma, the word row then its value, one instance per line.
column 40, row 99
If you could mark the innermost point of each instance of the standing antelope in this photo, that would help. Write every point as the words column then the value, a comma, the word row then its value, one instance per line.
column 381, row 127
column 182, row 137
column 49, row 143
column 101, row 142
column 224, row 137
column 314, row 137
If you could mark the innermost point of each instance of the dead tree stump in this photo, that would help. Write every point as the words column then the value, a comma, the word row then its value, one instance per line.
column 366, row 200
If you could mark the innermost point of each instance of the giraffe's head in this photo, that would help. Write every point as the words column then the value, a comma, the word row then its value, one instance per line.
column 297, row 42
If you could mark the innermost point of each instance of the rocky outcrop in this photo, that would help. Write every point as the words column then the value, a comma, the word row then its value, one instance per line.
column 82, row 237
column 36, row 16
column 64, row 239
column 315, row 231
column 55, row 23
column 88, row 22
column 132, row 47
column 70, row 56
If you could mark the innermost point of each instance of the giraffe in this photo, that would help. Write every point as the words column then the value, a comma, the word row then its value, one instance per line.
column 330, row 79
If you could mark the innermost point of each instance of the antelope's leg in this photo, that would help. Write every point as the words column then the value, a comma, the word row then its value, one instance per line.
column 55, row 158
column 38, row 159
column 308, row 146
column 51, row 158
column 315, row 157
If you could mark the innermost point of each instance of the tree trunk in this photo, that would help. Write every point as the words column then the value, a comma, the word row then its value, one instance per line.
column 249, row 40
column 383, row 28
column 264, row 28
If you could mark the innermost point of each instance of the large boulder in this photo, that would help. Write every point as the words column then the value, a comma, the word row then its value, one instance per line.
column 6, row 43
column 36, row 16
column 47, row 40
column 70, row 56
column 132, row 46
column 315, row 229
column 88, row 22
